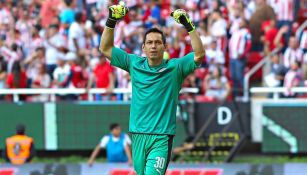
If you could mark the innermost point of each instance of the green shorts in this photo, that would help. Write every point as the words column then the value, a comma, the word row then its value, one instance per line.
column 151, row 153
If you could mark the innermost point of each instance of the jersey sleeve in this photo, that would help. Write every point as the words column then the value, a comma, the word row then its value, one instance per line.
column 127, row 140
column 186, row 64
column 104, row 141
column 121, row 59
column 73, row 32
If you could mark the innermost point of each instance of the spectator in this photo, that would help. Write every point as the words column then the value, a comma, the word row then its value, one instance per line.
column 24, row 25
column 273, row 37
column 36, row 39
column 11, row 55
column 293, row 53
column 263, row 13
column 76, row 37
column 303, row 47
column 67, row 15
column 32, row 62
column 216, row 85
column 239, row 13
column 5, row 14
column 49, row 10
column 152, row 14
column 293, row 78
column 205, row 36
column 303, row 40
column 218, row 28
column 41, row 80
column 62, row 77
column 284, row 10
column 17, row 78
column 78, row 74
column 90, row 4
column 94, row 35
column 54, row 44
column 193, row 11
column 103, row 76
column 239, row 46
column 19, row 149
column 117, row 145
column 215, row 56
column 279, row 41
column 277, row 72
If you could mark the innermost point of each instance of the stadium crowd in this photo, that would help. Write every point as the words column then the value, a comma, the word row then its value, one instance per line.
column 54, row 43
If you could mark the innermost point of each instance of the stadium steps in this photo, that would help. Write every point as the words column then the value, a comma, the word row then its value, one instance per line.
column 216, row 148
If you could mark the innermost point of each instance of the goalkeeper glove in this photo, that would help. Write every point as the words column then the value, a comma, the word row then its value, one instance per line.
column 116, row 12
column 181, row 17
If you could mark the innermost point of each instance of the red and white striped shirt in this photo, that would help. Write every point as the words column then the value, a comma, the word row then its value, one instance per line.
column 290, row 56
column 238, row 43
column 284, row 9
column 5, row 16
column 303, row 40
column 292, row 79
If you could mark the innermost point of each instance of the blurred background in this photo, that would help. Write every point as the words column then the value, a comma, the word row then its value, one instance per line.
column 246, row 104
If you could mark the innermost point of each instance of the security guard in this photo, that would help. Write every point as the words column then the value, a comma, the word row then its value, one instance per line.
column 19, row 148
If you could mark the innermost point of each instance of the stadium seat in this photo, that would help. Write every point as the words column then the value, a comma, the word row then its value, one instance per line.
column 253, row 59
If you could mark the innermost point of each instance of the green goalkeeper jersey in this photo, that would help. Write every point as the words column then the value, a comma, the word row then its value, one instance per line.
column 155, row 90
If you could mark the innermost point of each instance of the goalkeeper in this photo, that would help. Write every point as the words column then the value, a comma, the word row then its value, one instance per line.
column 155, row 89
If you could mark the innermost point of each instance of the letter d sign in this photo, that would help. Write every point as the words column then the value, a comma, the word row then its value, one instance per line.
column 224, row 115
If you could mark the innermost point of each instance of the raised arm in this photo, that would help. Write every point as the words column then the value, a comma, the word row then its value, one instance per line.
column 197, row 47
column 107, row 42
column 181, row 17
column 116, row 12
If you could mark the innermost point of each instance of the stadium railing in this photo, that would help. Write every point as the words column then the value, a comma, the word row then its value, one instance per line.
column 251, row 72
column 277, row 90
column 54, row 92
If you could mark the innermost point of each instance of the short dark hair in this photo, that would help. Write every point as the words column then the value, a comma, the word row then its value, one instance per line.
column 113, row 126
column 155, row 30
column 40, row 49
column 78, row 16
column 56, row 26
column 217, row 11
column 14, row 47
column 68, row 2
column 20, row 129
column 246, row 22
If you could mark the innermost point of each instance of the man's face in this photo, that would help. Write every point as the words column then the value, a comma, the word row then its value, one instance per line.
column 275, row 59
column 242, row 24
column 293, row 43
column 117, row 131
column 153, row 46
column 40, row 54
